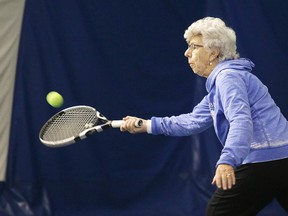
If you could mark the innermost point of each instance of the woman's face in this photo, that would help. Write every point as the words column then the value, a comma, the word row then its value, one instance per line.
column 198, row 56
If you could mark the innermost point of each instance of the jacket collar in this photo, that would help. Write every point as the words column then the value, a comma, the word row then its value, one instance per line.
column 234, row 64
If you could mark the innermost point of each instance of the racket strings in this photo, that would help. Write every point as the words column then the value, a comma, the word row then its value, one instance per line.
column 69, row 124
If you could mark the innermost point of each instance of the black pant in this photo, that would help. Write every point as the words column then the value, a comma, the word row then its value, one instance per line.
column 256, row 186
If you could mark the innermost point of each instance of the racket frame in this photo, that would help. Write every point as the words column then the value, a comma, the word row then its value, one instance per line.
column 91, row 129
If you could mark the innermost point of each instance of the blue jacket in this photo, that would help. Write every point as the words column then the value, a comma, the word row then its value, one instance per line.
column 246, row 120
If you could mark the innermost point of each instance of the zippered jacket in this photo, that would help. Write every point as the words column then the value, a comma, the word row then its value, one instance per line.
column 246, row 120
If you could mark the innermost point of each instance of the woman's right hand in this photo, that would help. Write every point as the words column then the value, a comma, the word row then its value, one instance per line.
column 130, row 123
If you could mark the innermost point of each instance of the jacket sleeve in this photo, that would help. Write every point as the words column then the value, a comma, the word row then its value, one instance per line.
column 234, row 98
column 186, row 124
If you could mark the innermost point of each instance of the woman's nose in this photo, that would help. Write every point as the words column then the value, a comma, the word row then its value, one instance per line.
column 187, row 53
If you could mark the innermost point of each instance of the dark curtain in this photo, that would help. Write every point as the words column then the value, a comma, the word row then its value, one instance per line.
column 126, row 58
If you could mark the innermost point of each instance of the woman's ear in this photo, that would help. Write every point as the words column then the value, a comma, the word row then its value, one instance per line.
column 214, row 54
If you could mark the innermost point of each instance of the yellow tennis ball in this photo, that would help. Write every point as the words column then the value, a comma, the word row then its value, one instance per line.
column 55, row 99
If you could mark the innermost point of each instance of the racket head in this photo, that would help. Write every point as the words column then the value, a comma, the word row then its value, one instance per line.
column 66, row 126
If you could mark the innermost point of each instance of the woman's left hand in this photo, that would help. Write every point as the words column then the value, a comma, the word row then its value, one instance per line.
column 224, row 177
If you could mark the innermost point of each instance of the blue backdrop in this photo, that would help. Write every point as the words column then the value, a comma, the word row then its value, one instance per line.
column 126, row 58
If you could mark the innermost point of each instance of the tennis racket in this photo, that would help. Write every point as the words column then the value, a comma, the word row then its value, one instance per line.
column 74, row 124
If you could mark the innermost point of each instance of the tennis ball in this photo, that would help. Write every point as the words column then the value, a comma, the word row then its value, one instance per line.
column 55, row 99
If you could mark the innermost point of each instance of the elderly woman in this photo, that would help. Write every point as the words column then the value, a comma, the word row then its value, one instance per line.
column 252, row 168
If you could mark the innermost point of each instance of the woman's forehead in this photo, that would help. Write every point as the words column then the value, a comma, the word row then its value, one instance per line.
column 195, row 39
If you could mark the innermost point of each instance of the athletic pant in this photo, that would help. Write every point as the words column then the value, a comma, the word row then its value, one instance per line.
column 256, row 186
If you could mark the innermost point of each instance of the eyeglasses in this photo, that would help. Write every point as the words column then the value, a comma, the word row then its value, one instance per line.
column 192, row 46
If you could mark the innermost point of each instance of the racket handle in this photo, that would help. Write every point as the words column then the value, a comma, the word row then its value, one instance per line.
column 117, row 123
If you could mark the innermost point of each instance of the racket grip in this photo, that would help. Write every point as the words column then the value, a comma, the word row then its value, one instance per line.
column 117, row 123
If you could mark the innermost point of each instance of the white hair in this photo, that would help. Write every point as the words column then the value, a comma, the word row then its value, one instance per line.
column 215, row 34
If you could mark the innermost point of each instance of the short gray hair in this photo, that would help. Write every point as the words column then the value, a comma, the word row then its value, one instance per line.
column 215, row 34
